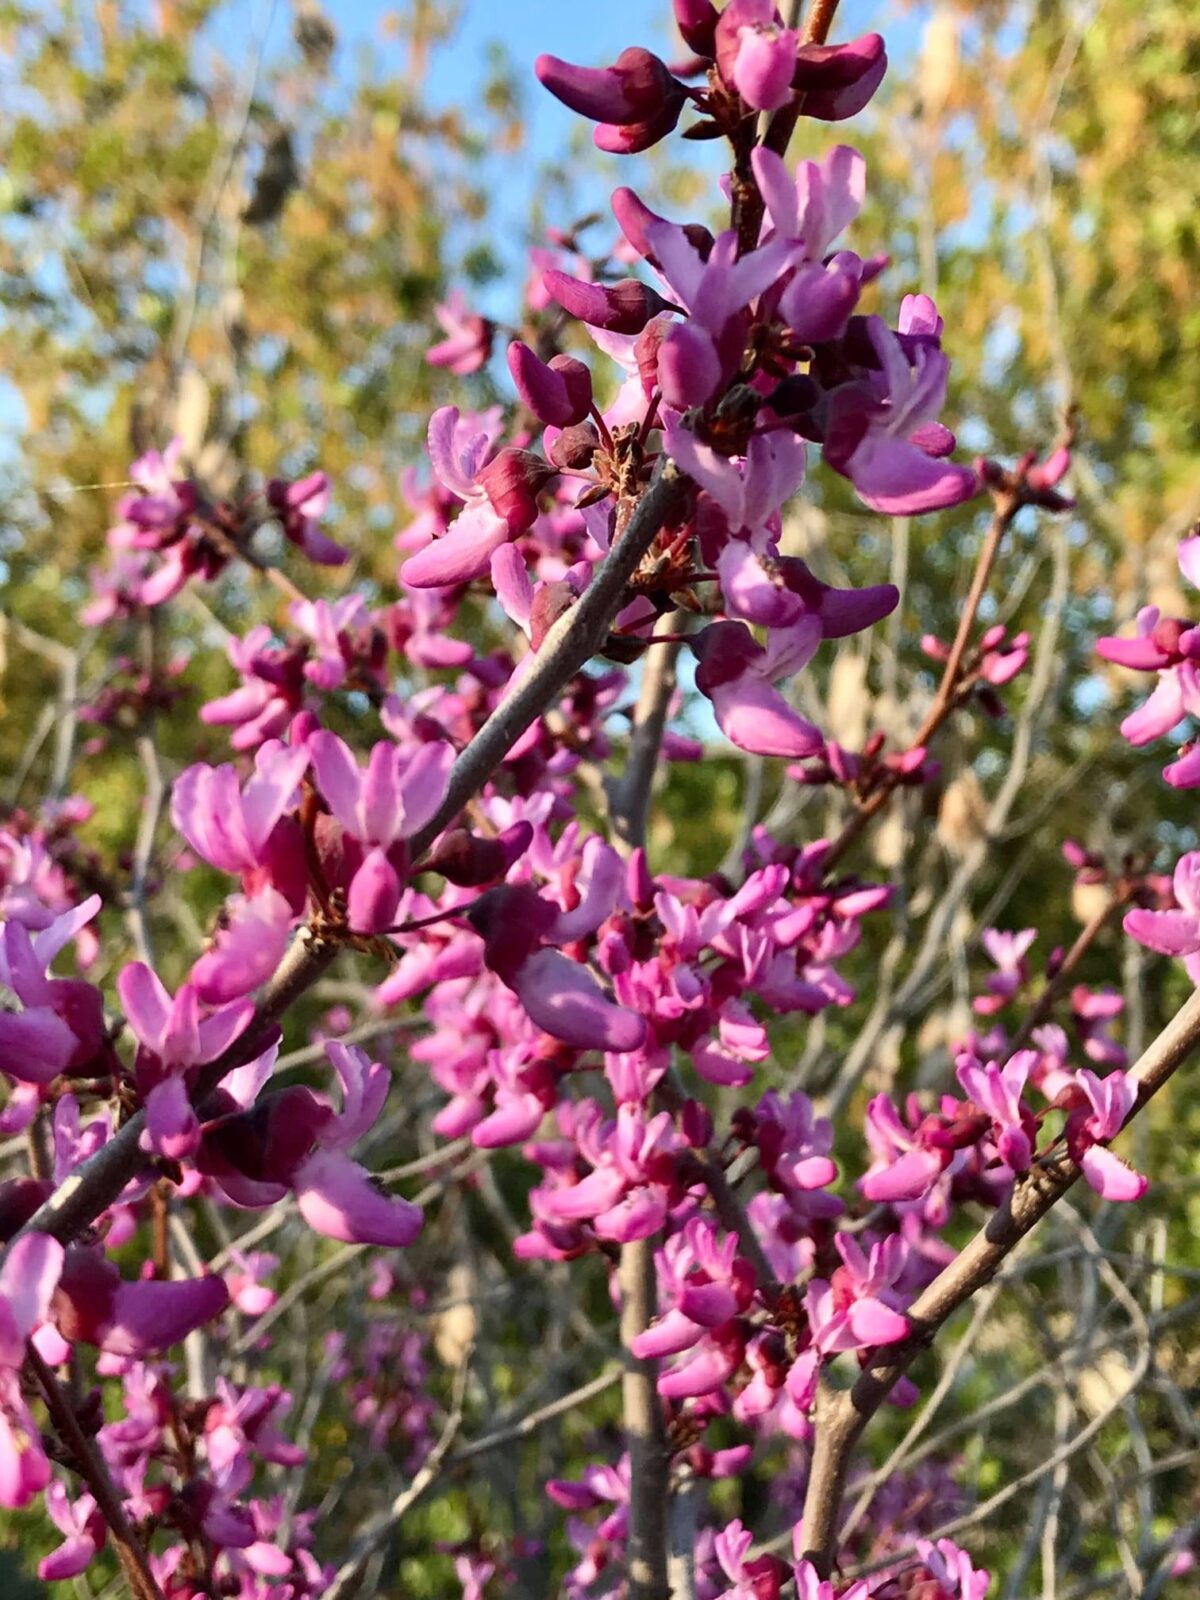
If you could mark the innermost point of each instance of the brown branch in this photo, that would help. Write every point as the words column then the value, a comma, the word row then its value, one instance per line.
column 629, row 796
column 91, row 1466
column 572, row 641
column 748, row 202
column 842, row 1414
column 645, row 1434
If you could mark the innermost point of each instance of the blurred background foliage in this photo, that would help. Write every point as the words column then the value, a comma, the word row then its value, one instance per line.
column 200, row 235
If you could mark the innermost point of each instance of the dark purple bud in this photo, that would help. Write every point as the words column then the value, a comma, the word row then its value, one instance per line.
column 724, row 651
column 619, row 308
column 628, row 138
column 697, row 23
column 794, row 395
column 839, row 80
column 471, row 862
column 512, row 482
column 19, row 1199
column 575, row 446
column 558, row 392
column 836, row 66
column 93, row 1303
column 268, row 1142
column 511, row 921
column 767, row 1575
column 632, row 90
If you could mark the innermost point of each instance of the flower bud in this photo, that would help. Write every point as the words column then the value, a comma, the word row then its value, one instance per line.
column 838, row 80
column 575, row 446
column 697, row 23
column 631, row 91
column 558, row 392
column 469, row 861
column 619, row 308
column 512, row 482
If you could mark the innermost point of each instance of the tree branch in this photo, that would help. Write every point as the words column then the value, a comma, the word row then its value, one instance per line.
column 843, row 1414
column 649, row 1458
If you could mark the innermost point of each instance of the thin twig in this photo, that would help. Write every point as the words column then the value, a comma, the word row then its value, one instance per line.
column 376, row 1536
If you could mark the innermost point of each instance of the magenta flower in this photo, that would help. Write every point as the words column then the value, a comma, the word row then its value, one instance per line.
column 1008, row 951
column 335, row 1195
column 458, row 450
column 94, row 1304
column 468, row 341
column 299, row 506
column 952, row 1570
column 272, row 694
column 230, row 826
column 997, row 1091
column 1092, row 1012
column 756, row 54
column 328, row 624
column 705, row 1283
column 907, row 1164
column 751, row 489
column 379, row 809
column 1174, row 933
column 810, row 1586
column 1100, row 1107
column 173, row 1038
column 853, row 1311
column 84, row 1530
column 521, row 930
column 757, row 1578
column 700, row 355
column 61, row 1021
column 623, row 1197
column 256, row 1150
column 879, row 431
column 1171, row 648
column 240, row 1426
column 247, row 947
column 738, row 675
column 27, row 1282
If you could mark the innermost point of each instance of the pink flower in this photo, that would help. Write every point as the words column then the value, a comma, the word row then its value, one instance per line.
column 79, row 1519
column 1174, row 933
column 997, row 1090
column 27, row 1281
column 298, row 507
column 335, row 1195
column 1100, row 1109
column 94, row 1304
column 457, row 452
column 952, row 1570
column 878, row 433
column 468, row 342
column 756, row 54
column 379, row 809
column 738, row 676
column 230, row 826
column 61, row 1022
column 853, row 1310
